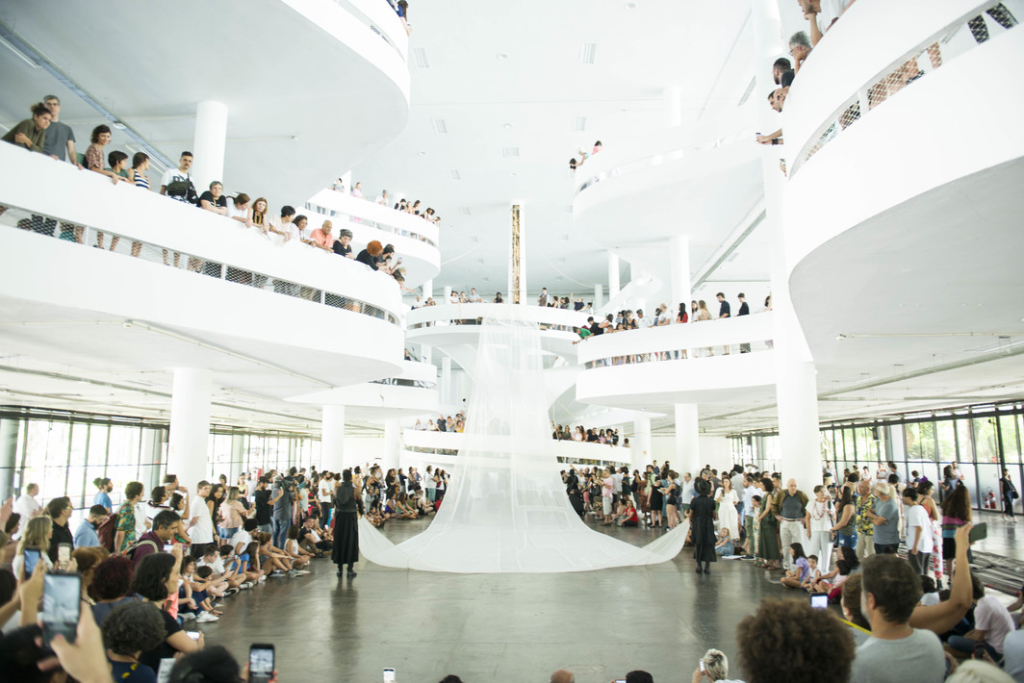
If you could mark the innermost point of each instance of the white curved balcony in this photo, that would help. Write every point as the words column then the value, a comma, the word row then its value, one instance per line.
column 416, row 240
column 410, row 393
column 454, row 325
column 903, row 206
column 347, row 91
column 656, row 368
column 698, row 179
column 442, row 448
column 231, row 288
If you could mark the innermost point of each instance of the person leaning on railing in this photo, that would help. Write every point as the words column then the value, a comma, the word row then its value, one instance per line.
column 31, row 133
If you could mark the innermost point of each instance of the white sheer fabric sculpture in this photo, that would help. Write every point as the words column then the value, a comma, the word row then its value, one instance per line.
column 507, row 509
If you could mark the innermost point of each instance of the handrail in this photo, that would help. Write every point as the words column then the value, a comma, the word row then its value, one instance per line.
column 379, row 16
column 678, row 342
column 86, row 204
column 367, row 213
column 663, row 146
column 449, row 443
column 549, row 319
column 833, row 92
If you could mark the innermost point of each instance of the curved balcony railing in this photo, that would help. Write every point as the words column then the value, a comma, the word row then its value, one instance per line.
column 414, row 374
column 365, row 214
column 909, row 40
column 449, row 444
column 382, row 20
column 679, row 343
column 547, row 319
column 666, row 146
column 54, row 200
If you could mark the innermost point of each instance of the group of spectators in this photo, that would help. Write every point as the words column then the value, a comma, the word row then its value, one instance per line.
column 822, row 16
column 397, row 495
column 149, row 566
column 580, row 433
column 444, row 424
column 414, row 208
column 45, row 133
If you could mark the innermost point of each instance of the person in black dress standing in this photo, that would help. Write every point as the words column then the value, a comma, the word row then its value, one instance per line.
column 346, row 528
column 572, row 487
column 702, row 526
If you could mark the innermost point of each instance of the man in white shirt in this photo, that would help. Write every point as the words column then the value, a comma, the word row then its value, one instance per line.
column 28, row 507
column 992, row 623
column 617, row 485
column 919, row 537
column 429, row 484
column 200, row 525
column 243, row 537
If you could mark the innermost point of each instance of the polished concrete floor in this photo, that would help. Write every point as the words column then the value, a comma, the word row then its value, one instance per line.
column 505, row 627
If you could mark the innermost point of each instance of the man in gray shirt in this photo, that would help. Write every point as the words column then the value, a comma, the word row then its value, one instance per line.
column 283, row 510
column 896, row 651
column 885, row 515
column 60, row 139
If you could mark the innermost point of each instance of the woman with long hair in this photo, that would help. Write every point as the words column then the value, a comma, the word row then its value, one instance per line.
column 769, row 528
column 38, row 533
column 672, row 495
column 846, row 527
column 956, row 511
column 346, row 526
column 156, row 580
column 213, row 502
column 801, row 567
column 656, row 500
column 924, row 498
column 232, row 512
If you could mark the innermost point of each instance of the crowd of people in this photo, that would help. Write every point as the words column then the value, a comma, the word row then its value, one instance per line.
column 46, row 134
column 153, row 565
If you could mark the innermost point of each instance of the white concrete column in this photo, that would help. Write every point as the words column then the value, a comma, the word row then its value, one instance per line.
column 447, row 294
column 427, row 354
column 332, row 439
column 152, row 447
column 673, row 97
column 687, row 457
column 598, row 299
column 8, row 458
column 641, row 444
column 208, row 146
column 188, row 454
column 445, row 393
column 679, row 259
column 613, row 275
column 392, row 444
column 796, row 387
column 236, row 467
column 428, row 290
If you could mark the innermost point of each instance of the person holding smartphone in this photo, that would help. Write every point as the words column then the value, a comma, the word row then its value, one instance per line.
column 33, row 547
column 713, row 666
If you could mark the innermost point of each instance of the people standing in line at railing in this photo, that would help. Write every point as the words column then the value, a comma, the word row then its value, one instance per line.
column 60, row 138
column 282, row 226
column 724, row 311
column 140, row 164
column 781, row 66
column 357, row 190
column 213, row 200
column 31, row 133
column 542, row 300
column 822, row 15
column 343, row 245
column 744, row 310
column 474, row 298
column 799, row 50
column 597, row 148
column 239, row 209
column 498, row 299
column 176, row 183
column 382, row 198
column 401, row 8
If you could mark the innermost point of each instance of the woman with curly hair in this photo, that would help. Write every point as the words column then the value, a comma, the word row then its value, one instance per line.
column 156, row 579
column 111, row 581
column 130, row 630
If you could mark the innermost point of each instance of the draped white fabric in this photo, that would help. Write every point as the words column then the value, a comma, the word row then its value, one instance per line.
column 507, row 509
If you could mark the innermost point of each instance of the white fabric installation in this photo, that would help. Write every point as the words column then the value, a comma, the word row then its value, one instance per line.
column 507, row 509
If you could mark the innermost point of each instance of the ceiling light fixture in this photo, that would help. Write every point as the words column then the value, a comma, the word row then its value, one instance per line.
column 502, row 56
column 422, row 153
column 630, row 5
column 579, row 123
column 439, row 125
column 455, row 175
column 508, row 126
column 588, row 53
column 513, row 174
column 510, row 152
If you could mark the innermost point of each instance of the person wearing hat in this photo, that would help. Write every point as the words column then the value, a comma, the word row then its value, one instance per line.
column 343, row 245
column 369, row 255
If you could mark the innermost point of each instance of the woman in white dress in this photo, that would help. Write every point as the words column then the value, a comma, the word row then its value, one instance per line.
column 819, row 536
column 728, row 518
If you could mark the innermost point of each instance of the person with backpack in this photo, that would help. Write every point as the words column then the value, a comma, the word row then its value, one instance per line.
column 164, row 525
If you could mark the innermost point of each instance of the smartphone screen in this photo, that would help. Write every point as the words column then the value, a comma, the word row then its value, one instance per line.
column 64, row 554
column 979, row 532
column 168, row 547
column 819, row 601
column 389, row 675
column 261, row 663
column 32, row 556
column 194, row 635
column 62, row 602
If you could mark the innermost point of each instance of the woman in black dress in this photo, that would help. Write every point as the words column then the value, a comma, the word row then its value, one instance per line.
column 572, row 487
column 702, row 526
column 346, row 528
